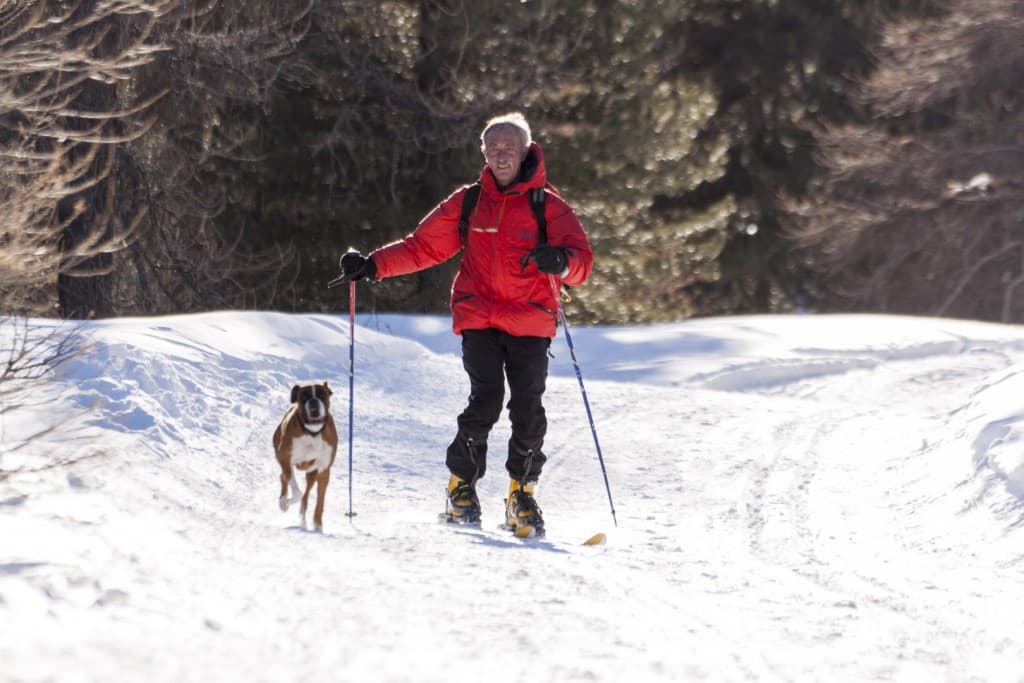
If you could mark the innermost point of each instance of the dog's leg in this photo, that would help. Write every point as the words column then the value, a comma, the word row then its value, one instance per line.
column 321, row 491
column 286, row 479
column 310, row 479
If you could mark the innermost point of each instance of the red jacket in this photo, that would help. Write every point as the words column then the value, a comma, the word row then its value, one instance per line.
column 492, row 288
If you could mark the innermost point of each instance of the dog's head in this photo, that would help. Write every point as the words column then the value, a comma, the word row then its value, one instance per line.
column 314, row 400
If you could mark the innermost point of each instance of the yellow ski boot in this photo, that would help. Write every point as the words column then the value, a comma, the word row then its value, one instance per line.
column 523, row 515
column 463, row 504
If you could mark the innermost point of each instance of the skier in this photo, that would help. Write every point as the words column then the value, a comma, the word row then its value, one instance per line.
column 503, row 304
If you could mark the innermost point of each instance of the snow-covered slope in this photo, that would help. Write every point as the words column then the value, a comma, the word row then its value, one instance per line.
column 798, row 498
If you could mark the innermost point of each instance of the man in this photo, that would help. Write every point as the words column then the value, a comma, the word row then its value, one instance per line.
column 504, row 305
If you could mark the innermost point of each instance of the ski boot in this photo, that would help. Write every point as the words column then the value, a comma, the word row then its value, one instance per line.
column 463, row 505
column 523, row 515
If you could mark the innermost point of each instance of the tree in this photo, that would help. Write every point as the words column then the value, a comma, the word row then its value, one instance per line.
column 920, row 212
column 779, row 71
column 130, row 129
column 60, row 124
column 199, row 171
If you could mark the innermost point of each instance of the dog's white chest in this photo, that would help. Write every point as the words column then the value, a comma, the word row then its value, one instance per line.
column 308, row 448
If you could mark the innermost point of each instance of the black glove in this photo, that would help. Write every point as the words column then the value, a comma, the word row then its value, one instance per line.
column 549, row 259
column 355, row 266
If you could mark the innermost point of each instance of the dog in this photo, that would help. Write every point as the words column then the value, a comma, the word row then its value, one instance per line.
column 306, row 441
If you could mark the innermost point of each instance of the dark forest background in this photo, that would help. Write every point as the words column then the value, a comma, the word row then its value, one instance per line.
column 729, row 156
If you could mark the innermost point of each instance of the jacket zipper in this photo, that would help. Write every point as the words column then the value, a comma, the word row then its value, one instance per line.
column 543, row 308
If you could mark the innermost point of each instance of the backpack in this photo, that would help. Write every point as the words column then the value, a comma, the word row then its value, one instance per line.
column 538, row 195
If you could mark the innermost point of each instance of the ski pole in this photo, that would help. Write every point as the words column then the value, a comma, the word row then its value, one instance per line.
column 340, row 280
column 351, row 382
column 586, row 403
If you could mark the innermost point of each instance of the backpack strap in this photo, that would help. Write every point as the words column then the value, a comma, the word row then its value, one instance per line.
column 469, row 200
column 538, row 195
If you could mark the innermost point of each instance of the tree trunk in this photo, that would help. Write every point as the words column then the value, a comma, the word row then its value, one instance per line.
column 84, row 282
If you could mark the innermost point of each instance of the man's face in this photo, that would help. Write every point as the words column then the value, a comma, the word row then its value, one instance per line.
column 504, row 152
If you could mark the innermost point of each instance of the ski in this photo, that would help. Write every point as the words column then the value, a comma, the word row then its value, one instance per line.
column 527, row 531
column 524, row 533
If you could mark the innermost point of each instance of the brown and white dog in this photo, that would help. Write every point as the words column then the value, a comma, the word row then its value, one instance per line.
column 306, row 441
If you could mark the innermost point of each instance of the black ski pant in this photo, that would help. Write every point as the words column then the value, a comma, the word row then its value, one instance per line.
column 490, row 357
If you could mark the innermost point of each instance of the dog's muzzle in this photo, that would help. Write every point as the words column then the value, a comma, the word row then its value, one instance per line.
column 314, row 415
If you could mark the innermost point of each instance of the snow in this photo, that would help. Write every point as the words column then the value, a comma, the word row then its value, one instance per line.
column 798, row 498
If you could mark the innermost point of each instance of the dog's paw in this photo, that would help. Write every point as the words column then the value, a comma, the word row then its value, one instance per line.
column 284, row 502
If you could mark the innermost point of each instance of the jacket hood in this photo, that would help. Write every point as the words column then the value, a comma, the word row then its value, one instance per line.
column 531, row 174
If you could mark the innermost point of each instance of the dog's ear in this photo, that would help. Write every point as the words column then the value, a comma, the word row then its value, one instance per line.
column 329, row 392
column 295, row 393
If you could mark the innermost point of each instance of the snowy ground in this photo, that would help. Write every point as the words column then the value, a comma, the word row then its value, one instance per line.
column 817, row 498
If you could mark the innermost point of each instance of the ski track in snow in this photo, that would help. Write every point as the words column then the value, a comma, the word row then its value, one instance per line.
column 798, row 498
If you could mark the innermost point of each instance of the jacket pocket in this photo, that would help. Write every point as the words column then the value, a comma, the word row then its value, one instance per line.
column 544, row 308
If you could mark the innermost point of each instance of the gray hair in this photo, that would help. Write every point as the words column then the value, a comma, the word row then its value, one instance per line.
column 512, row 120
